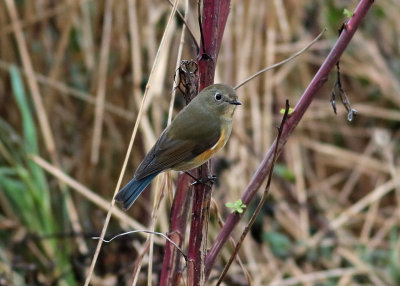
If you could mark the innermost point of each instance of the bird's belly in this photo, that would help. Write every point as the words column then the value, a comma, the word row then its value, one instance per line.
column 206, row 155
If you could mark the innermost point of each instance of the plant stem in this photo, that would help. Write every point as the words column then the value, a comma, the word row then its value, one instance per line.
column 215, row 14
column 178, row 222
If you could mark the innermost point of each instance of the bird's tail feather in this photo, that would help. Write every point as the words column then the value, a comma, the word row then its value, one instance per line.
column 128, row 194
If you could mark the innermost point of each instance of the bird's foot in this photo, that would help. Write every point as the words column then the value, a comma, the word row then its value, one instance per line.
column 205, row 180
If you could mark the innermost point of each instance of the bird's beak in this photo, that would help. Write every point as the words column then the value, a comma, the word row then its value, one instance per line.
column 235, row 102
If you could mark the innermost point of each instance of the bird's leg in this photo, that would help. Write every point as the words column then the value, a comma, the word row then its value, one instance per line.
column 190, row 175
column 210, row 179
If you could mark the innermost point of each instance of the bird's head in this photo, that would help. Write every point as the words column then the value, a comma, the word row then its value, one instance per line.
column 220, row 99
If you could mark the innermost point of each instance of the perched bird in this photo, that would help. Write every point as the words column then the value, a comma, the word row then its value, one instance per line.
column 194, row 136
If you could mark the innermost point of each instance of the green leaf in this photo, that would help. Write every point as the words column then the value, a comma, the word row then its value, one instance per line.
column 30, row 136
column 27, row 120
column 347, row 13
column 237, row 206
column 282, row 111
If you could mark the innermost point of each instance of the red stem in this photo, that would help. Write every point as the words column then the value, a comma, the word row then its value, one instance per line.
column 198, row 230
column 215, row 14
column 310, row 93
column 170, row 272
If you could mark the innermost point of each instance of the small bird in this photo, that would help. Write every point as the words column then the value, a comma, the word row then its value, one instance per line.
column 193, row 137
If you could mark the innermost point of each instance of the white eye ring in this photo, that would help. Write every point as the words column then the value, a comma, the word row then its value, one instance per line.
column 218, row 96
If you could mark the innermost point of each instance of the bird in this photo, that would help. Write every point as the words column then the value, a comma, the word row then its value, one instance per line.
column 197, row 132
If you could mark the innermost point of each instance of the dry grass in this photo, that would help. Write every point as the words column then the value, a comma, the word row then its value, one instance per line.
column 333, row 216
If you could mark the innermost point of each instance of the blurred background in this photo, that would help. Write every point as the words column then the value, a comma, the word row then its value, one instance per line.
column 72, row 77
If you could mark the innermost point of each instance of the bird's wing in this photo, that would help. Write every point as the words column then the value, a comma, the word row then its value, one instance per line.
column 181, row 142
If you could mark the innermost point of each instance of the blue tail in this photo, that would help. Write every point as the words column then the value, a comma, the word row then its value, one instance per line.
column 128, row 194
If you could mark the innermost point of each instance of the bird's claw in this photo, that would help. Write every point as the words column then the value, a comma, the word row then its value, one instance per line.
column 205, row 180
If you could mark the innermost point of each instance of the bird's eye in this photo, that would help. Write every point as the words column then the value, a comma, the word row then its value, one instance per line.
column 218, row 96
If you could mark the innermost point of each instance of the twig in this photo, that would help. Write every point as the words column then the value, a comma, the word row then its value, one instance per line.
column 282, row 62
column 183, row 18
column 203, row 49
column 261, row 202
column 145, row 231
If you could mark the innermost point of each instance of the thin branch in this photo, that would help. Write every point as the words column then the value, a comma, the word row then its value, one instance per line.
column 282, row 62
column 186, row 25
column 203, row 51
column 145, row 231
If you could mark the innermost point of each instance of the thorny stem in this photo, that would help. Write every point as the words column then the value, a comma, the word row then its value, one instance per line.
column 310, row 93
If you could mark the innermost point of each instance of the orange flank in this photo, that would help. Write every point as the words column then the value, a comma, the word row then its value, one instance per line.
column 203, row 157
